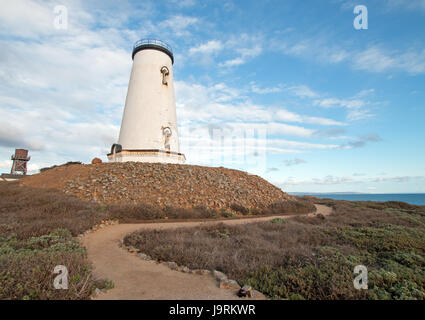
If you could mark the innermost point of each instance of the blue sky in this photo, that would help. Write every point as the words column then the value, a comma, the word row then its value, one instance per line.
column 338, row 109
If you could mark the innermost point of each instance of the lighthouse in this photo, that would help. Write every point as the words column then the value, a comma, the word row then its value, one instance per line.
column 149, row 124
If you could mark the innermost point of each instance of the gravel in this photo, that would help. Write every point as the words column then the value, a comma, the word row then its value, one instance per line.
column 162, row 185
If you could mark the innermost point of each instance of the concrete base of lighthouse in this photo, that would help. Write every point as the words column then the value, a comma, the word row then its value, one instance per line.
column 153, row 156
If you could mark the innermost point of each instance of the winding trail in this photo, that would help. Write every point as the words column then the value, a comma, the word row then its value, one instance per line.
column 137, row 279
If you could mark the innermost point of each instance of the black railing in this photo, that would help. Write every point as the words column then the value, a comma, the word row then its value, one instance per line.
column 154, row 42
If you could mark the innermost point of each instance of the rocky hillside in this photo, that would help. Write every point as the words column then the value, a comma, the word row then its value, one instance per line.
column 163, row 185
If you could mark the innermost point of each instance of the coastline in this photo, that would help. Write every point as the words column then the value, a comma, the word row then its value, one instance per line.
column 411, row 198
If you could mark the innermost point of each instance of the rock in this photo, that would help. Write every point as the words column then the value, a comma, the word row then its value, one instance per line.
column 97, row 291
column 132, row 250
column 202, row 271
column 185, row 269
column 96, row 161
column 258, row 295
column 176, row 186
column 172, row 265
column 144, row 256
column 219, row 275
column 245, row 291
column 229, row 284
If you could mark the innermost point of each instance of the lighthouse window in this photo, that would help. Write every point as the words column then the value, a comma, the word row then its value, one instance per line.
column 165, row 72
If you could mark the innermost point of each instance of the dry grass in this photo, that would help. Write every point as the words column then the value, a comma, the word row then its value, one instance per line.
column 29, row 212
column 36, row 234
column 309, row 258
column 37, row 227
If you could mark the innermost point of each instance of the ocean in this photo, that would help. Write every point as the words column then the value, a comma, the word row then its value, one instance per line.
column 412, row 198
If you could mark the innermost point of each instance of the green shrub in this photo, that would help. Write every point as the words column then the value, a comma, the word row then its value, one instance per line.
column 26, row 267
column 278, row 220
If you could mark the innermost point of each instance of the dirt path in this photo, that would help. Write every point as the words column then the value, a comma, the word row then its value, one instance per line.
column 135, row 278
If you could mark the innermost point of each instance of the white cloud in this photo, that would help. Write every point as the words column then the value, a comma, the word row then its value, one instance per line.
column 338, row 180
column 302, row 91
column 327, row 180
column 402, row 4
column 72, row 89
column 323, row 121
column 387, row 5
column 339, row 56
column 293, row 162
column 202, row 108
column 229, row 144
column 219, row 143
column 276, row 128
column 300, row 145
column 365, row 93
column 399, row 179
column 65, row 98
column 183, row 3
column 14, row 137
column 207, row 48
column 357, row 107
column 6, row 164
column 33, row 168
column 259, row 90
column 374, row 58
column 361, row 141
column 232, row 62
column 219, row 103
column 332, row 102
column 285, row 115
column 26, row 18
column 179, row 24
column 318, row 49
column 251, row 52
column 359, row 114
column 245, row 46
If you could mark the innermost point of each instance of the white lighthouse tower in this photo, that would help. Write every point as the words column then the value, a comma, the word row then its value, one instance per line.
column 149, row 124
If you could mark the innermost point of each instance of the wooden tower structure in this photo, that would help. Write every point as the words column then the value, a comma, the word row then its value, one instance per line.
column 20, row 159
